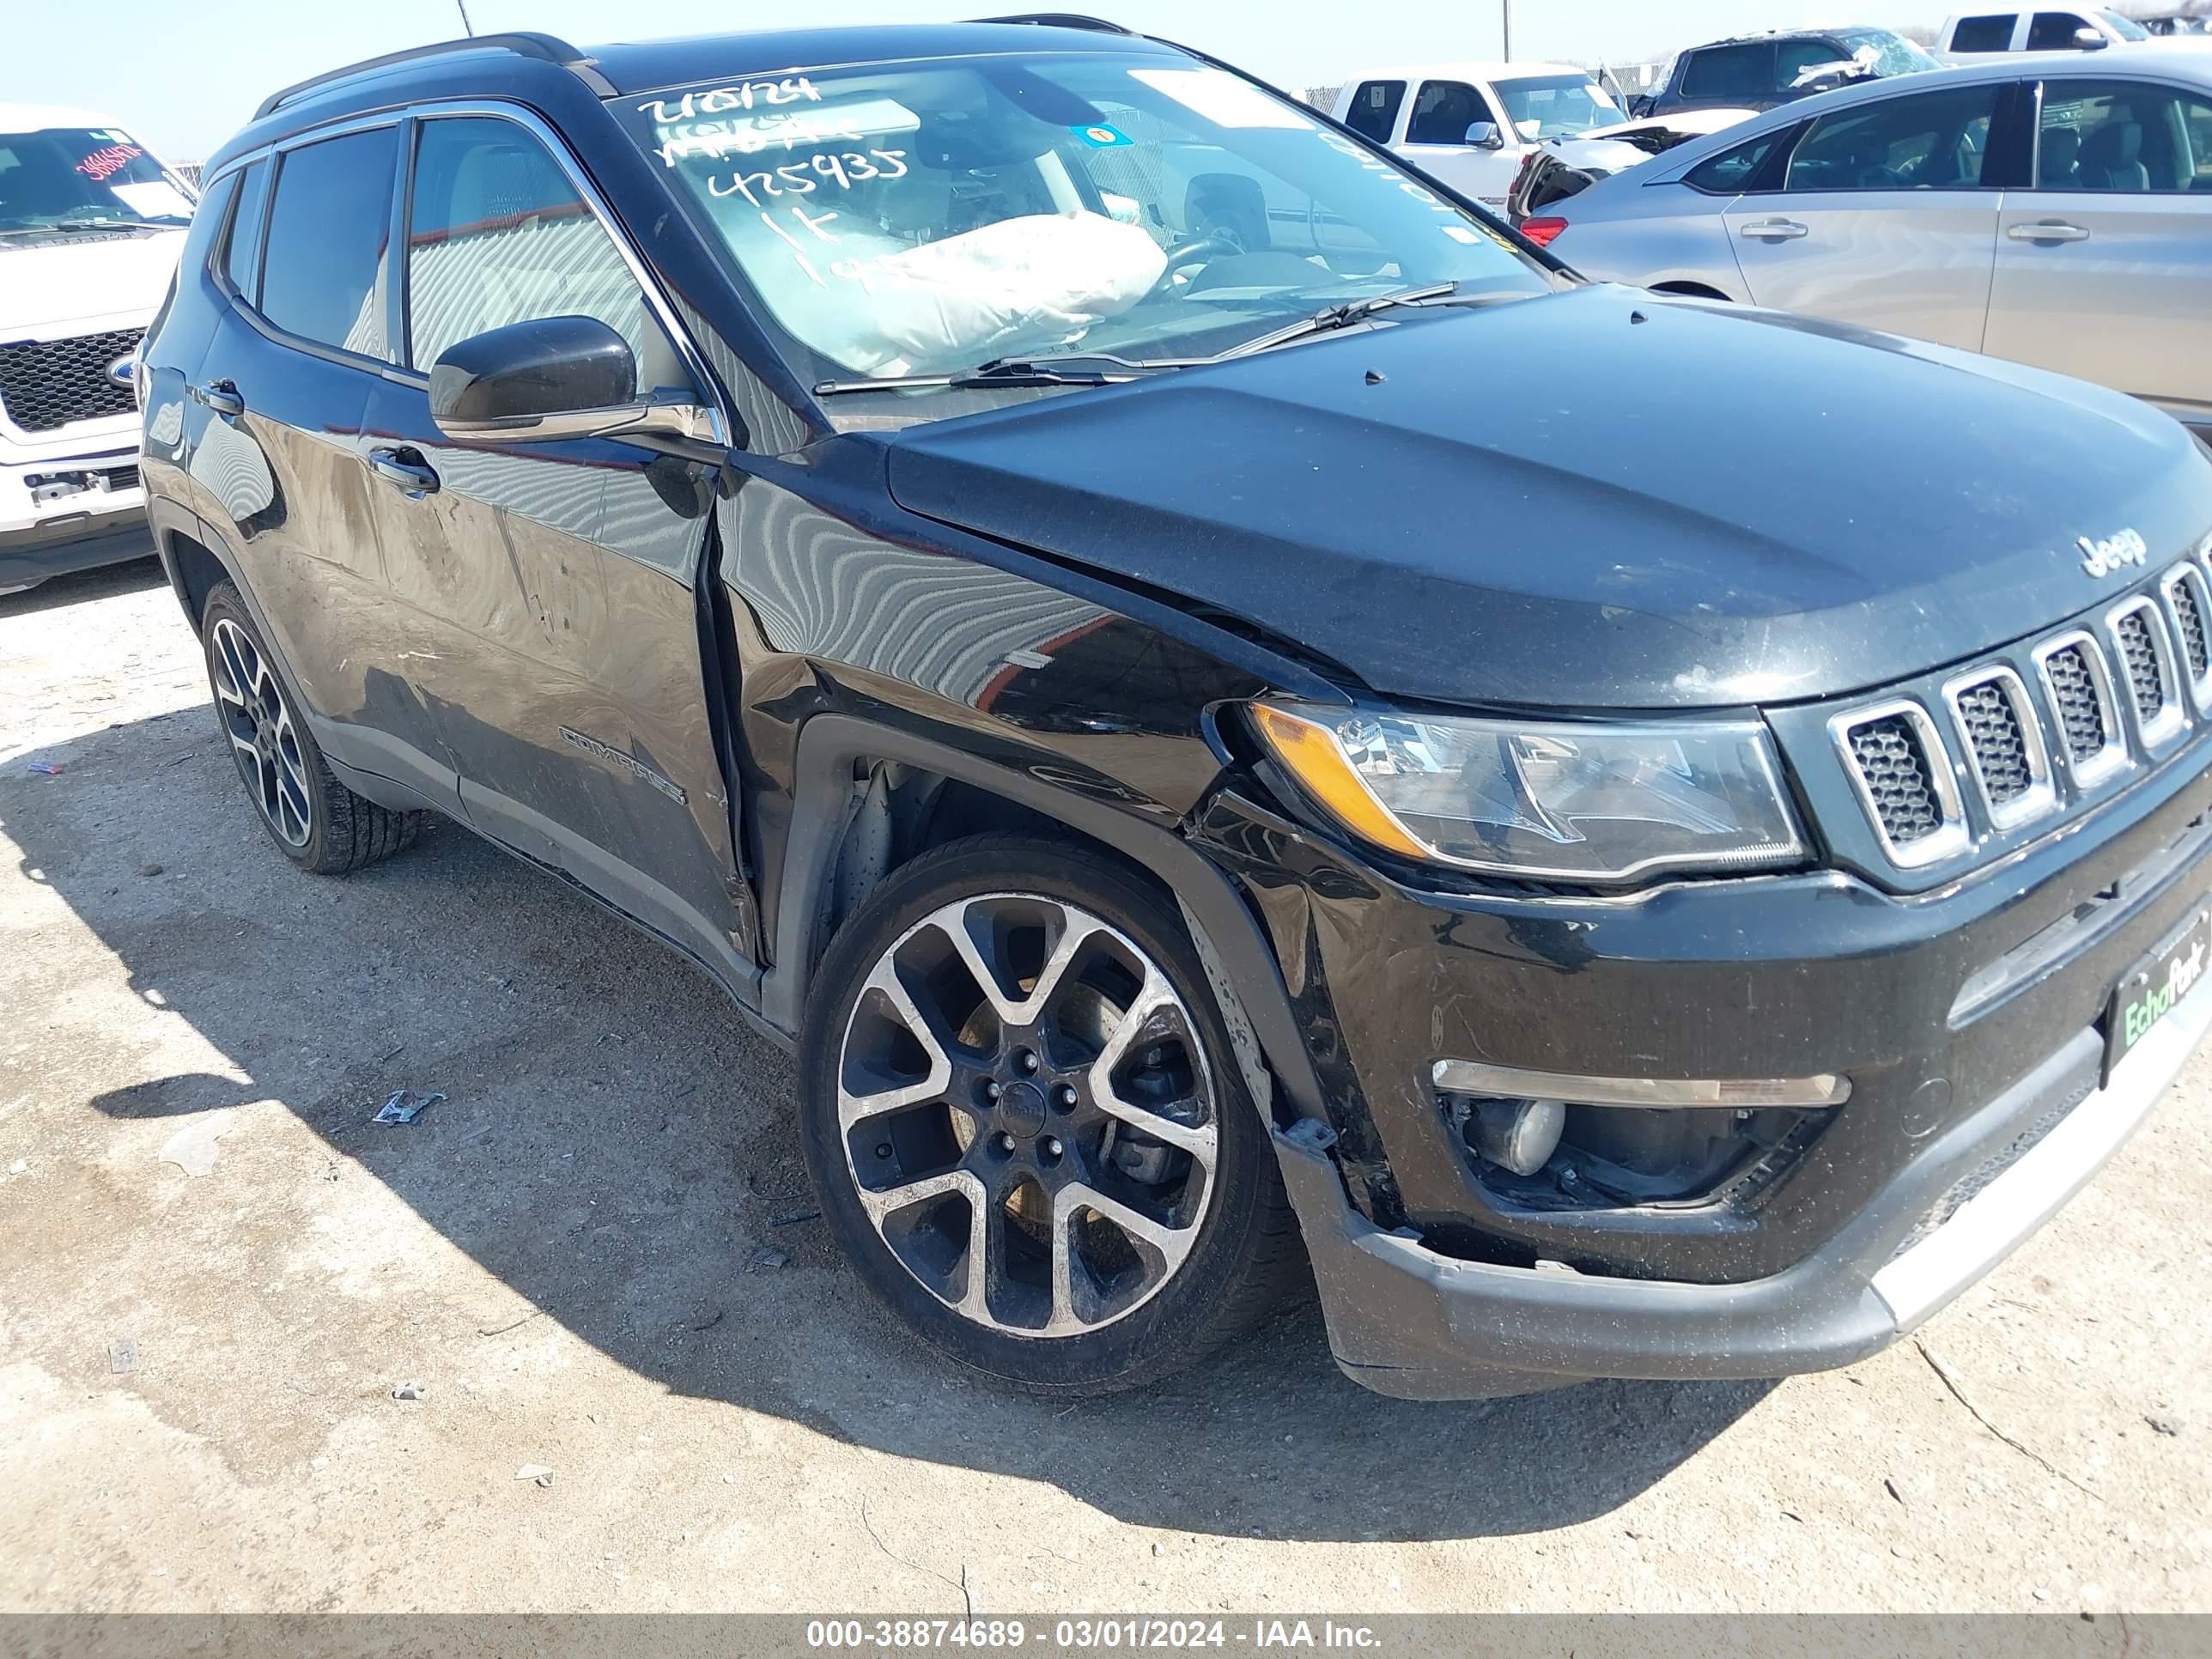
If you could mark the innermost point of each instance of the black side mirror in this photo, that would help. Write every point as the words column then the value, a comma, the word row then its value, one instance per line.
column 554, row 378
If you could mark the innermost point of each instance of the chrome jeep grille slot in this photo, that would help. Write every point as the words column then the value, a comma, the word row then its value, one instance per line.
column 1993, row 732
column 2189, row 618
column 2139, row 651
column 1897, row 775
column 1902, row 772
column 2080, row 710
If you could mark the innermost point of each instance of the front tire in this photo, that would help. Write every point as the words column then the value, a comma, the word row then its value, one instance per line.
column 1026, row 1125
column 316, row 822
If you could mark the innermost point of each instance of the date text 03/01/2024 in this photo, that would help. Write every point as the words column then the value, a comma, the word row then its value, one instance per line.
column 1086, row 1634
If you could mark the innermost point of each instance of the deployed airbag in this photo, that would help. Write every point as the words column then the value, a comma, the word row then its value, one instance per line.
column 1042, row 278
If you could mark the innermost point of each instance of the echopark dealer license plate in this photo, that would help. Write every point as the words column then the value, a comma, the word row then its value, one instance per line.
column 2157, row 984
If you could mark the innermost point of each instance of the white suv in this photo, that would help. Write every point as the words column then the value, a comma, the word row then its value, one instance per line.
column 90, row 225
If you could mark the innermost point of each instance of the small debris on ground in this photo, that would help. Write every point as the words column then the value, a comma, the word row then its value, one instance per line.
column 1890, row 1486
column 192, row 1149
column 769, row 1260
column 149, row 869
column 791, row 1217
column 2165, row 1425
column 20, row 1166
column 406, row 1106
column 408, row 1391
column 45, row 769
column 123, row 1356
column 535, row 1472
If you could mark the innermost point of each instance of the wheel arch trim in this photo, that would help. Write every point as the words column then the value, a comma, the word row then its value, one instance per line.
column 1223, row 930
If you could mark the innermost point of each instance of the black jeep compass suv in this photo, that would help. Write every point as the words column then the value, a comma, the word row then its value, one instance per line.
column 1142, row 636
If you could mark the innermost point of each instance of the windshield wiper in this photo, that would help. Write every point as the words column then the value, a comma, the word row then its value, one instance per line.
column 1076, row 368
column 1336, row 317
column 1061, row 370
column 72, row 227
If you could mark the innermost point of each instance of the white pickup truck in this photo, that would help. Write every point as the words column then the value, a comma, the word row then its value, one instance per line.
column 1974, row 35
column 90, row 225
column 1473, row 125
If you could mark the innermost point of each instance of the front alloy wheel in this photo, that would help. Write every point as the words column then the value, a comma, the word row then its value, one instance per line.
column 1027, row 1131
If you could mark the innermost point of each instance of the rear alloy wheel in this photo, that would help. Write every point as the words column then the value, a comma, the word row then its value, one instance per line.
column 263, row 740
column 319, row 823
column 1028, row 1127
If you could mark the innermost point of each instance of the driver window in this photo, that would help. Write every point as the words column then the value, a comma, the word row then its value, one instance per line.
column 1793, row 58
column 2054, row 31
column 496, row 234
column 1443, row 112
column 1933, row 140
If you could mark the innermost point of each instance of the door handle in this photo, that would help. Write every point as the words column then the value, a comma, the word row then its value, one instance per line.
column 404, row 470
column 2051, row 230
column 1775, row 230
column 222, row 397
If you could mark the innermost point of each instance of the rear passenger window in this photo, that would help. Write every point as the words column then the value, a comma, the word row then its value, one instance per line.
column 1932, row 141
column 1989, row 33
column 1731, row 72
column 324, row 272
column 241, row 257
column 496, row 234
column 1731, row 172
column 2127, row 137
column 1374, row 112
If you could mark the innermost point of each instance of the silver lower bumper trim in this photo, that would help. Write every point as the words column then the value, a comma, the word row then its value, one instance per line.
column 1994, row 1222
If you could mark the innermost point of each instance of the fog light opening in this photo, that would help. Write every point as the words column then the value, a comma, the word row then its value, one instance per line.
column 1519, row 1135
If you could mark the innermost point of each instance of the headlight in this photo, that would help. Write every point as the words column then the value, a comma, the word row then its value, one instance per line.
column 1544, row 800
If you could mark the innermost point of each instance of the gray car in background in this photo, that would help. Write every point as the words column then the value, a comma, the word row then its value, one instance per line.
column 2053, row 210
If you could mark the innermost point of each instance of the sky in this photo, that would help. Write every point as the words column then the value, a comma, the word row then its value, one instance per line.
column 183, row 74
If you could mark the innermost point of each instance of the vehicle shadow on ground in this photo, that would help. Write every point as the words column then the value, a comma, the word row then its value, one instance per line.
column 616, row 1146
column 84, row 586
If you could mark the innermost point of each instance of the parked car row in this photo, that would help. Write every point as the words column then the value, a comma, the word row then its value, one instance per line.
column 2053, row 211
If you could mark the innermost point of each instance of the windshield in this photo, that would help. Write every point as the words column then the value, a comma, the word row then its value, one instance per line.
column 2126, row 28
column 920, row 217
column 84, row 178
column 1556, row 106
column 1892, row 53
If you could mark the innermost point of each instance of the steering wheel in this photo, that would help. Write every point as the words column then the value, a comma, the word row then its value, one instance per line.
column 1213, row 245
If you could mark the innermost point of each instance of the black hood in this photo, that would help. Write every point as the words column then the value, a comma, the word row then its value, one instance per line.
column 1599, row 499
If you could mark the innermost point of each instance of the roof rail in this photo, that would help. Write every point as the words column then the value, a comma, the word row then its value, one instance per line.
column 1060, row 19
column 527, row 44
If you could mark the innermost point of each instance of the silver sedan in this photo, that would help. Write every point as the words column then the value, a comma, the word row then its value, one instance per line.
column 2054, row 209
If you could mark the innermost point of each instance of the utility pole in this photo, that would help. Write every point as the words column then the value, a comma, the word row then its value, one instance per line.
column 1505, row 22
column 467, row 28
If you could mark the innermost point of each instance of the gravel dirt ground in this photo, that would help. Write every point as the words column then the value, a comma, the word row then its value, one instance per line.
column 596, row 1257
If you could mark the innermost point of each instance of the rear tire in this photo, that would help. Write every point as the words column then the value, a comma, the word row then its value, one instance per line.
column 1082, row 1122
column 316, row 822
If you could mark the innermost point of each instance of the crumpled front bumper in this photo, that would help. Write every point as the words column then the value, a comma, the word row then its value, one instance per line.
column 1406, row 1321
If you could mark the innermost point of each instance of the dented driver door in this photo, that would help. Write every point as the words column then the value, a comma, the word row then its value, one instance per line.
column 556, row 641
